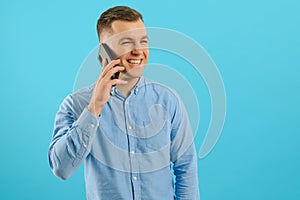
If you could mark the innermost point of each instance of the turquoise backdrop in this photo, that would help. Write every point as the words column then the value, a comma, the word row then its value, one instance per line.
column 255, row 44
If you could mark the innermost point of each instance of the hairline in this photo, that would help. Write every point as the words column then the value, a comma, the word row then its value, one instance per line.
column 109, row 28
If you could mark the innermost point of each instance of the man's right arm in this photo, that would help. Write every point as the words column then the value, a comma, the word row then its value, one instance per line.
column 71, row 140
column 72, row 137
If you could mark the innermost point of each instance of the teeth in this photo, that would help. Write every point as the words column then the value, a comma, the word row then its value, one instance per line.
column 134, row 61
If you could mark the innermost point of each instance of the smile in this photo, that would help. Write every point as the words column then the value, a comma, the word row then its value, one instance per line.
column 135, row 61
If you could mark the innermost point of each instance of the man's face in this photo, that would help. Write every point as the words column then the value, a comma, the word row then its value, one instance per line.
column 129, row 41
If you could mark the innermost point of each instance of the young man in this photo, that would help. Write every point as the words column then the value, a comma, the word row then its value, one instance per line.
column 131, row 133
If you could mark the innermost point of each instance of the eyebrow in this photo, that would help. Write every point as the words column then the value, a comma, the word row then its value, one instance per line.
column 145, row 37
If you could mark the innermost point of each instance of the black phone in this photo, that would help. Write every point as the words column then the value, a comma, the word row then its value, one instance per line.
column 106, row 53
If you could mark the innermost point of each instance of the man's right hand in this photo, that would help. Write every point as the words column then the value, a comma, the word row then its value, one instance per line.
column 101, row 93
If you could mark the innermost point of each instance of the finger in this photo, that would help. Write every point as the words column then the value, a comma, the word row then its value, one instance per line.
column 110, row 65
column 112, row 71
column 122, row 82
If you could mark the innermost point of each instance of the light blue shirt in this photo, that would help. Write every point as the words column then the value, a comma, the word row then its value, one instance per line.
column 132, row 150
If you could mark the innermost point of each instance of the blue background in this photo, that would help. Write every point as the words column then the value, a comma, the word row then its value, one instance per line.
column 255, row 44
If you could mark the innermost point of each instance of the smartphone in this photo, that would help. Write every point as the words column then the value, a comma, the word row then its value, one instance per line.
column 106, row 53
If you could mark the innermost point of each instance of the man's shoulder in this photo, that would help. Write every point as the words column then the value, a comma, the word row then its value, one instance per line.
column 79, row 99
column 84, row 92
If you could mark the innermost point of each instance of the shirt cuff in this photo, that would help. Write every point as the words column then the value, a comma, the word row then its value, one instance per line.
column 87, row 122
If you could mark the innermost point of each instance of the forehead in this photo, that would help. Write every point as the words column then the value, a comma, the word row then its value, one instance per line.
column 119, row 26
column 121, row 29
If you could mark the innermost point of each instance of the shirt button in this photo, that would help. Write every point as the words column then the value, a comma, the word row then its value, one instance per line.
column 126, row 102
column 129, row 127
column 132, row 152
column 92, row 125
column 135, row 178
column 84, row 145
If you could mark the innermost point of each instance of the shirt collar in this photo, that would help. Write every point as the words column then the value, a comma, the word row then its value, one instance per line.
column 114, row 90
column 139, row 84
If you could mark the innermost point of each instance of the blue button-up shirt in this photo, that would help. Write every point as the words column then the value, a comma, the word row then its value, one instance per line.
column 133, row 150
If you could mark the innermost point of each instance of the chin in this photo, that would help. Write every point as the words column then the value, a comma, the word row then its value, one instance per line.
column 133, row 73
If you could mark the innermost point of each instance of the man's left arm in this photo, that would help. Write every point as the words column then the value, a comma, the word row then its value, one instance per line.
column 184, row 156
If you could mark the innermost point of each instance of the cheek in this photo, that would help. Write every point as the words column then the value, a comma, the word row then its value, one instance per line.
column 146, row 53
column 121, row 53
column 123, row 62
column 123, row 58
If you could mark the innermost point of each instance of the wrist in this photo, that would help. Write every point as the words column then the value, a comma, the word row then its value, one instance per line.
column 95, row 110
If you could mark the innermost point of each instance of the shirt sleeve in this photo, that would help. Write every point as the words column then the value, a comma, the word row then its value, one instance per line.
column 183, row 156
column 72, row 138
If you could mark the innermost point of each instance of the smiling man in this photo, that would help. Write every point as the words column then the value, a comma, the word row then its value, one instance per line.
column 132, row 134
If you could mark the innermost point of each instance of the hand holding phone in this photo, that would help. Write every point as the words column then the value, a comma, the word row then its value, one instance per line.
column 106, row 80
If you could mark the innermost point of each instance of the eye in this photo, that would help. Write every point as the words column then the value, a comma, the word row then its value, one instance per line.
column 126, row 42
column 144, row 42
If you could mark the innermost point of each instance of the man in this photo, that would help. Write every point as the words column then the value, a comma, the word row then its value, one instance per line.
column 131, row 133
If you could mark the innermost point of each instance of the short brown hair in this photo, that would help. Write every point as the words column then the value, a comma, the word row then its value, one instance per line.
column 117, row 13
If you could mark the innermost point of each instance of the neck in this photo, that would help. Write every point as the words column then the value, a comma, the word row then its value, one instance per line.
column 126, row 88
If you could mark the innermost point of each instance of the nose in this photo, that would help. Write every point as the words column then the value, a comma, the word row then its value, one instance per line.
column 137, row 49
column 138, row 45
